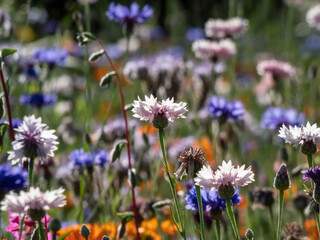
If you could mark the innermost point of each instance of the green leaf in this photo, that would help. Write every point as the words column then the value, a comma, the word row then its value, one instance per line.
column 89, row 35
column 96, row 55
column 117, row 148
column 128, row 107
column 126, row 216
column 63, row 236
column 106, row 79
column 6, row 52
column 161, row 204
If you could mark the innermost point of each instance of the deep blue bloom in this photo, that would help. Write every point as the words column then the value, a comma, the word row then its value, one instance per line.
column 194, row 34
column 220, row 108
column 210, row 200
column 101, row 158
column 38, row 99
column 274, row 117
column 53, row 56
column 128, row 16
column 311, row 44
column 313, row 173
column 81, row 159
column 12, row 178
column 16, row 122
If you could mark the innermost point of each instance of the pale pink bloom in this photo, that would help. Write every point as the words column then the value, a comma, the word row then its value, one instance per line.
column 206, row 49
column 233, row 27
column 313, row 17
column 226, row 174
column 146, row 110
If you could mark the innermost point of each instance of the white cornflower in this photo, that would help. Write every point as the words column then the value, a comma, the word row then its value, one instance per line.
column 227, row 174
column 33, row 139
column 159, row 113
column 304, row 135
column 33, row 202
column 276, row 68
column 206, row 49
column 233, row 27
column 313, row 17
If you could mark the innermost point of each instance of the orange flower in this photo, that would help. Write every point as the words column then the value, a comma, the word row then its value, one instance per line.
column 168, row 227
column 311, row 228
column 207, row 148
column 148, row 129
column 243, row 203
column 147, row 230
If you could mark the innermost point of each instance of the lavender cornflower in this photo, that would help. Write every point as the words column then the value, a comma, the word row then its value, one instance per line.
column 194, row 34
column 38, row 99
column 220, row 108
column 274, row 117
column 16, row 122
column 81, row 159
column 312, row 173
column 129, row 16
column 33, row 139
column 51, row 56
column 12, row 179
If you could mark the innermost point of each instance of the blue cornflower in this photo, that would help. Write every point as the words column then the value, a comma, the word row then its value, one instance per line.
column 274, row 117
column 129, row 16
column 194, row 34
column 114, row 51
column 80, row 159
column 313, row 173
column 210, row 200
column 52, row 56
column 16, row 122
column 12, row 178
column 101, row 158
column 220, row 108
column 38, row 99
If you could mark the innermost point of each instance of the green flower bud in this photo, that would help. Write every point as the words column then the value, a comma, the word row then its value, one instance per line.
column 308, row 148
column 55, row 225
column 226, row 191
column 249, row 234
column 282, row 180
column 85, row 231
column 160, row 121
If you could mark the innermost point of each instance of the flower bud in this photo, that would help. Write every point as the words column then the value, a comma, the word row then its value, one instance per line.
column 105, row 238
column 55, row 225
column 226, row 191
column 84, row 231
column 300, row 202
column 160, row 121
column 316, row 193
column 282, row 180
column 249, row 234
column 308, row 147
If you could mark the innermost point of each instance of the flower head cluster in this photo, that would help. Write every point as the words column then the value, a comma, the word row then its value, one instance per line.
column 16, row 122
column 81, row 159
column 227, row 174
column 159, row 113
column 33, row 139
column 274, row 117
column 38, row 99
column 308, row 136
column 313, row 17
column 210, row 200
column 52, row 56
column 233, row 27
column 206, row 49
column 34, row 199
column 129, row 16
column 276, row 68
column 12, row 178
column 312, row 173
column 220, row 108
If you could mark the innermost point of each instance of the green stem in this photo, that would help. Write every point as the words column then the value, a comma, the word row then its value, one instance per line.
column 271, row 220
column 87, row 14
column 200, row 211
column 31, row 164
column 310, row 163
column 232, row 218
column 54, row 235
column 21, row 226
column 41, row 231
column 280, row 214
column 176, row 202
column 218, row 230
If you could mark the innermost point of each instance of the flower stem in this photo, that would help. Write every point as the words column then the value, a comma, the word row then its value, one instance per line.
column 271, row 220
column 176, row 202
column 41, row 231
column 218, row 230
column 200, row 211
column 127, row 135
column 310, row 163
column 21, row 226
column 7, row 104
column 280, row 214
column 232, row 218
column 31, row 164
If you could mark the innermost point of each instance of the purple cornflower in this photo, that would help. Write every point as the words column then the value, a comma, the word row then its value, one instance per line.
column 38, row 99
column 220, row 108
column 52, row 56
column 16, row 122
column 129, row 16
column 12, row 179
column 81, row 159
column 194, row 34
column 313, row 173
column 274, row 117
column 101, row 158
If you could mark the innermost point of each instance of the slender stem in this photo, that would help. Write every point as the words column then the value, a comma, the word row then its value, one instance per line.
column 310, row 163
column 199, row 198
column 232, row 218
column 271, row 220
column 41, row 231
column 54, row 235
column 31, row 164
column 45, row 226
column 88, row 16
column 21, row 226
column 7, row 104
column 127, row 135
column 280, row 214
column 218, row 230
column 176, row 202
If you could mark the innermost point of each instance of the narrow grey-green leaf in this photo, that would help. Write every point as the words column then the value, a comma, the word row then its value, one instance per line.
column 106, row 79
column 96, row 55
column 128, row 107
column 63, row 236
column 6, row 52
column 89, row 35
column 117, row 148
column 123, row 215
column 161, row 204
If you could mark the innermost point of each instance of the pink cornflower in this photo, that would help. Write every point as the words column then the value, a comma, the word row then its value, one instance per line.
column 206, row 49
column 227, row 174
column 233, row 27
column 159, row 113
column 313, row 17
